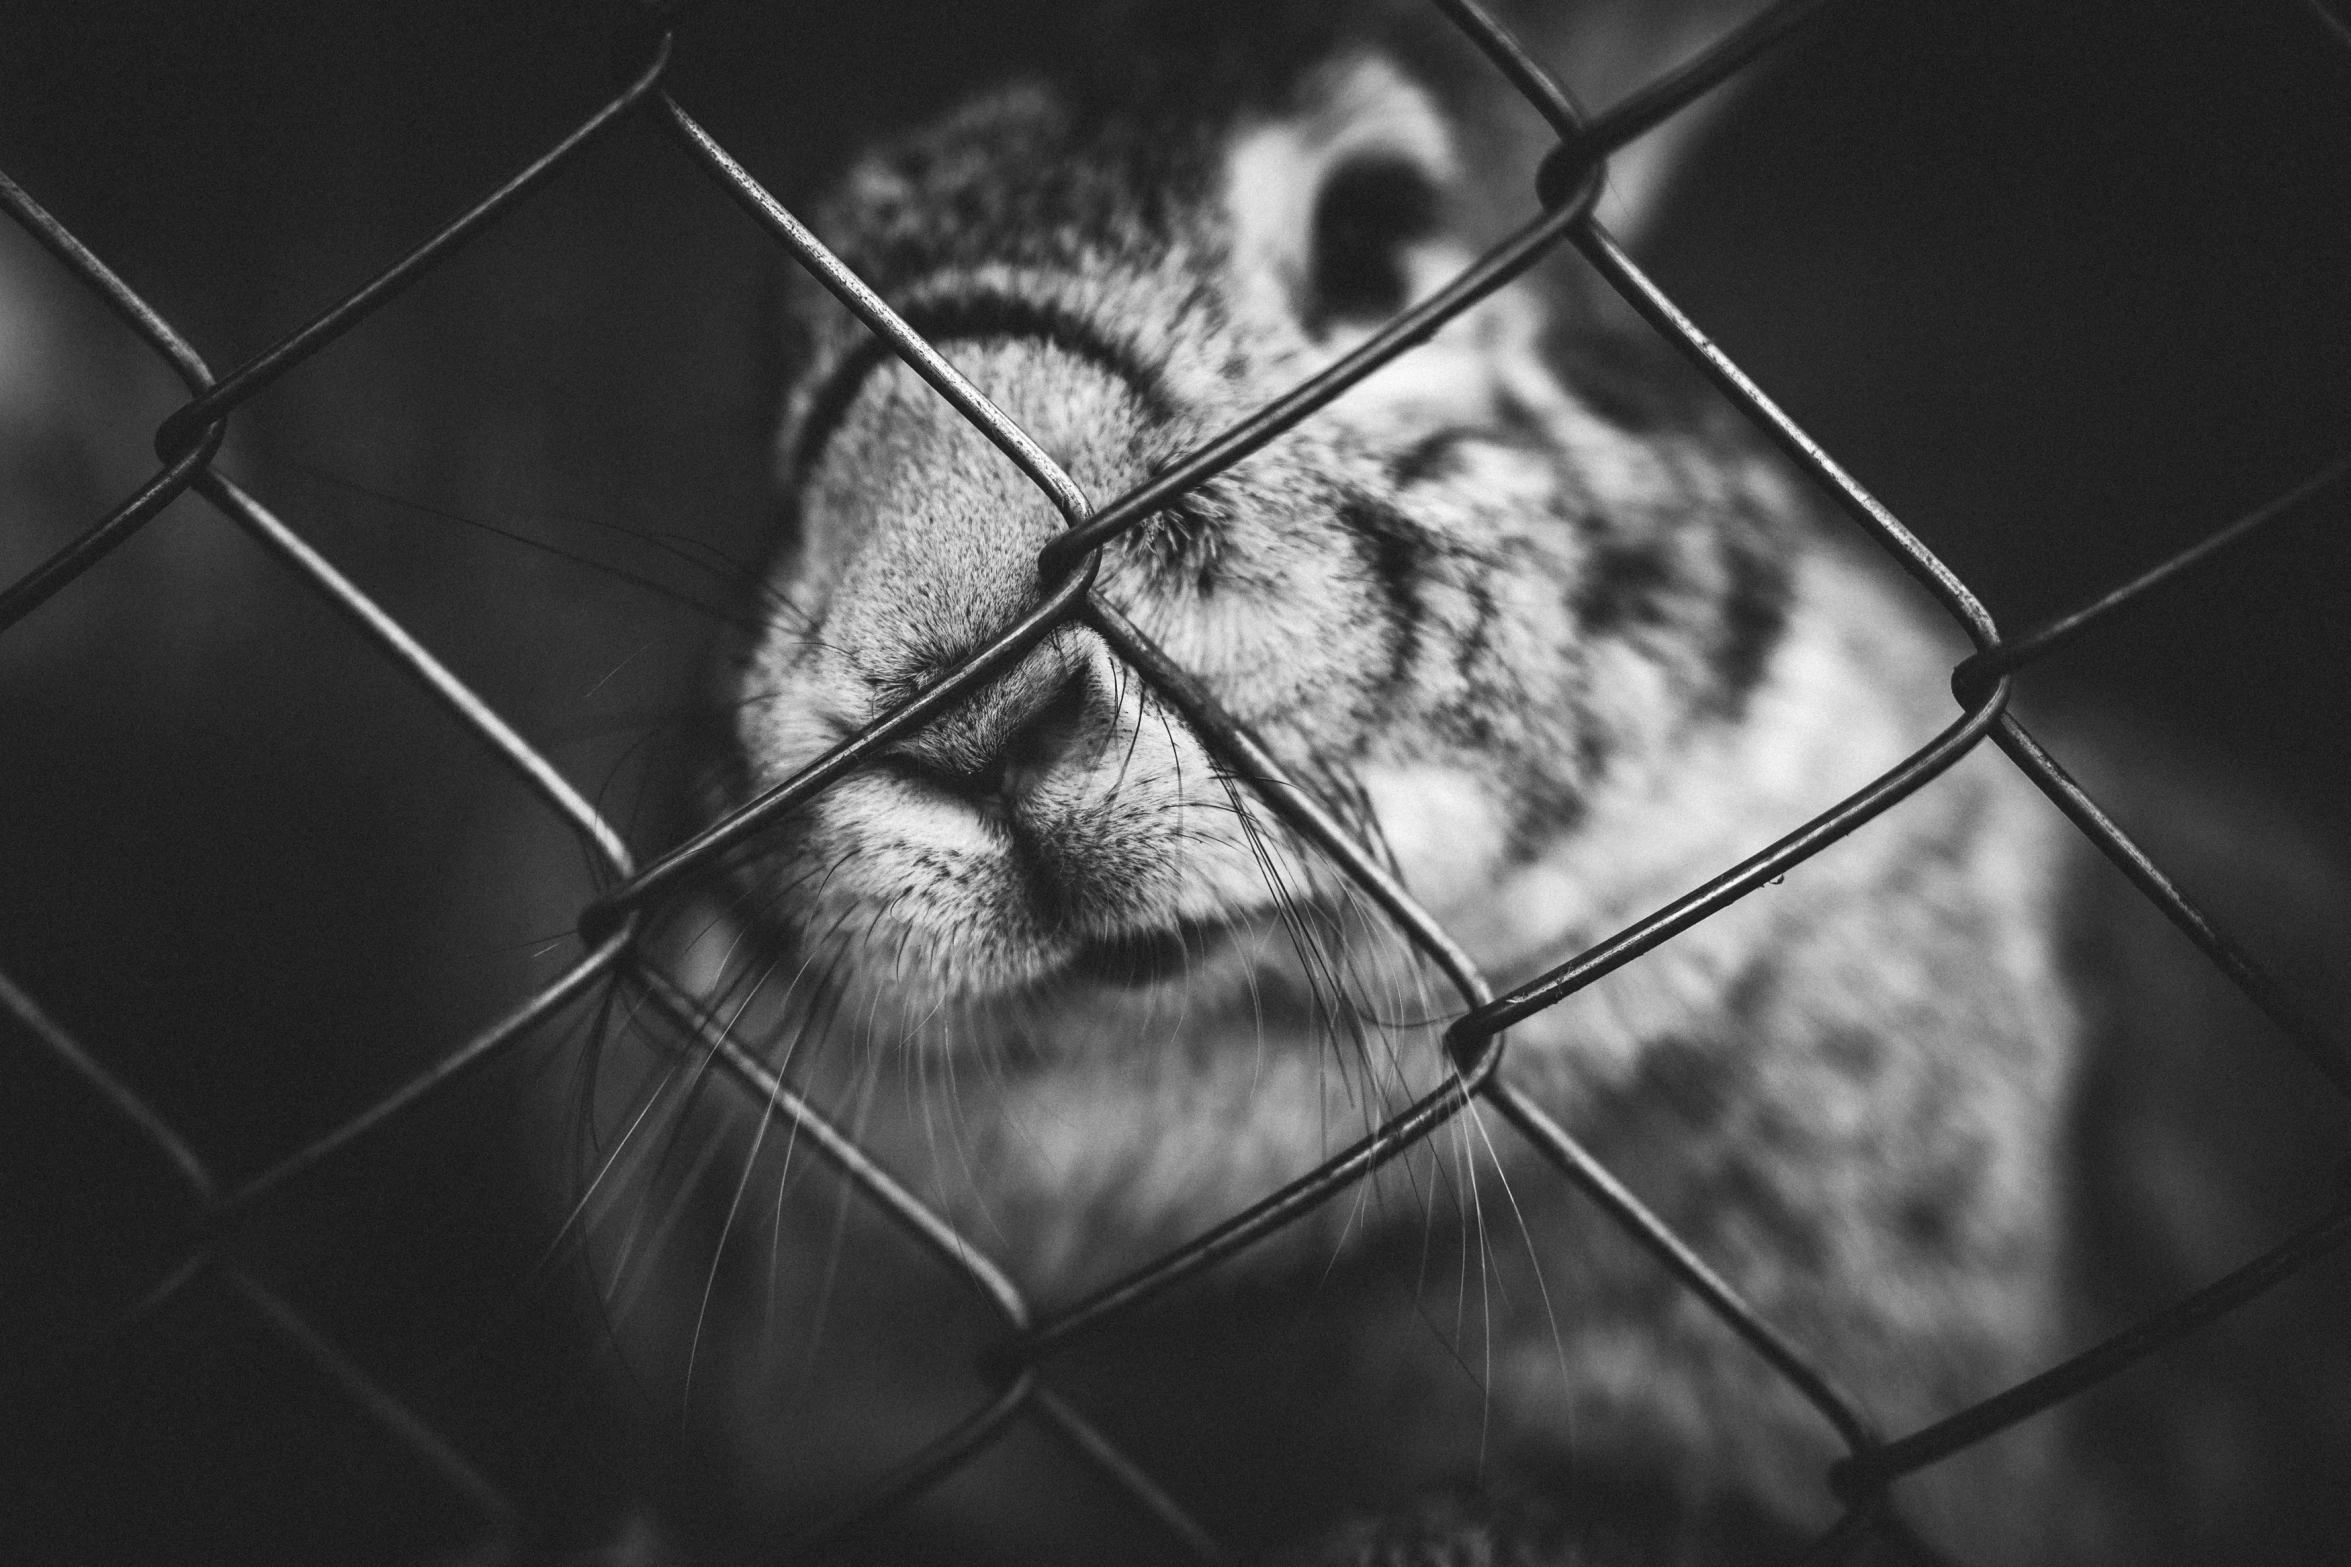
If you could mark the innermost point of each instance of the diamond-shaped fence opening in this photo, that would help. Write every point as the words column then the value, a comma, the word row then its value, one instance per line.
column 192, row 1287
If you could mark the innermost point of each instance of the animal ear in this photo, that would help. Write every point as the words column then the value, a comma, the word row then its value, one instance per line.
column 1349, row 202
column 1341, row 203
column 1604, row 50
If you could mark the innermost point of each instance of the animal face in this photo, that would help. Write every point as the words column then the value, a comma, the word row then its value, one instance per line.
column 1461, row 604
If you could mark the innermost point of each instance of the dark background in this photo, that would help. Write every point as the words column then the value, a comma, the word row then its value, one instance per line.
column 2066, row 282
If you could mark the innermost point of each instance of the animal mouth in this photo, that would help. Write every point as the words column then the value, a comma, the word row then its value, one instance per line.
column 1133, row 959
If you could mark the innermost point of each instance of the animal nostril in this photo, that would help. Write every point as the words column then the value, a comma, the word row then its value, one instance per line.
column 1046, row 734
column 1013, row 744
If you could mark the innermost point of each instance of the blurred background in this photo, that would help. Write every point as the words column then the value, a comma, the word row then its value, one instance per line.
column 2066, row 282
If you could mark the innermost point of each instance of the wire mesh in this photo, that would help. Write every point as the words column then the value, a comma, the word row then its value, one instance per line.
column 1016, row 1368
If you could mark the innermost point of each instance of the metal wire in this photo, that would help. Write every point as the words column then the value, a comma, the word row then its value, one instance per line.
column 1011, row 1374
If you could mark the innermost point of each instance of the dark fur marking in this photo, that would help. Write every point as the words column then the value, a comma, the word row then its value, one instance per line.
column 1932, row 1213
column 1926, row 1222
column 1548, row 809
column 1853, row 1053
column 1462, row 722
column 1622, row 583
column 1754, row 613
column 1395, row 553
column 1433, row 456
column 1592, row 749
column 1481, row 630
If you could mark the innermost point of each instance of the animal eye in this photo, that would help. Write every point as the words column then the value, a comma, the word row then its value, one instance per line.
column 1369, row 214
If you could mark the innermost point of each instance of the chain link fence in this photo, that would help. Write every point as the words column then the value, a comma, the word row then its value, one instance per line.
column 614, row 963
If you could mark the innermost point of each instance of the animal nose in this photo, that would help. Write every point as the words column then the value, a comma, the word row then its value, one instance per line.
column 1010, row 737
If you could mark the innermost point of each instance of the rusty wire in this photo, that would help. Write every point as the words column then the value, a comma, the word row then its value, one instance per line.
column 1476, row 1043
